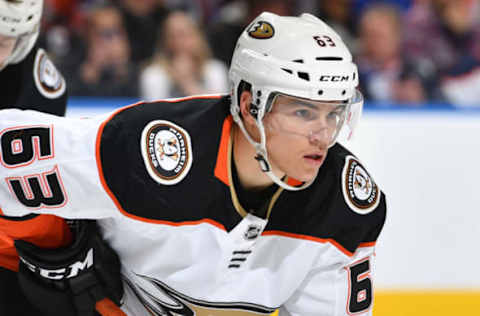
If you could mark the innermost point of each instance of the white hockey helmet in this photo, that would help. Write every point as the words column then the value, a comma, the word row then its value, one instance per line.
column 20, row 19
column 296, row 56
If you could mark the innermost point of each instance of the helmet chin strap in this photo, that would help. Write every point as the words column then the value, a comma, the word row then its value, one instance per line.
column 23, row 46
column 262, row 155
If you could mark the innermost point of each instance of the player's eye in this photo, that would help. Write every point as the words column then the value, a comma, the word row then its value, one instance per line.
column 333, row 116
column 305, row 114
column 336, row 114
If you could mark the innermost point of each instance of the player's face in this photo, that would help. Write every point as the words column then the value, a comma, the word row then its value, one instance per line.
column 7, row 44
column 299, row 133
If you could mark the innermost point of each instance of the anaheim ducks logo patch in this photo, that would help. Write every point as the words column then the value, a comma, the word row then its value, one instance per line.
column 166, row 151
column 48, row 79
column 261, row 30
column 359, row 190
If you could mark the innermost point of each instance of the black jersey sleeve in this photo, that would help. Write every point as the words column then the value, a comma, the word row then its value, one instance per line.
column 152, row 153
column 358, row 210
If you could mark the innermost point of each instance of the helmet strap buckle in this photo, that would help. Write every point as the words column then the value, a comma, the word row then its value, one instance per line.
column 263, row 163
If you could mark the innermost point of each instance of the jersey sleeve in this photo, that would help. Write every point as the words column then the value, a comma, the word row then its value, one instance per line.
column 50, row 86
column 48, row 164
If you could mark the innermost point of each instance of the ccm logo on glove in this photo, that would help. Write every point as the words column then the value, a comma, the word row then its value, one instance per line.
column 62, row 273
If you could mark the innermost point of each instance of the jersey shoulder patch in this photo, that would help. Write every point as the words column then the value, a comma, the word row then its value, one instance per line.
column 48, row 80
column 360, row 191
column 166, row 151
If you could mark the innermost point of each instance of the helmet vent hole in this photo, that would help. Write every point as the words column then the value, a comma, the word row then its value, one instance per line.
column 287, row 70
column 304, row 76
column 343, row 92
column 329, row 58
column 353, row 76
column 320, row 92
column 30, row 17
column 298, row 61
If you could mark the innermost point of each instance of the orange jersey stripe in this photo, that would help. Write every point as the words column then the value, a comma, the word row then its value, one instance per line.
column 317, row 239
column 221, row 168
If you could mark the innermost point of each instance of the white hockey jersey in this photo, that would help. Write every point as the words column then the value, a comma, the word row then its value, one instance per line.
column 158, row 178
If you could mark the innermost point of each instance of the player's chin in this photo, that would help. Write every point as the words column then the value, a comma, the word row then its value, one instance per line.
column 306, row 175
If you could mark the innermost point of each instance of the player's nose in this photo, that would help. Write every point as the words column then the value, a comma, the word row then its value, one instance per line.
column 320, row 138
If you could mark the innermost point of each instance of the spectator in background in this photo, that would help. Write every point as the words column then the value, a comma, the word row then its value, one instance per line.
column 107, row 69
column 339, row 15
column 360, row 5
column 446, row 35
column 62, row 25
column 234, row 17
column 184, row 65
column 141, row 19
column 385, row 74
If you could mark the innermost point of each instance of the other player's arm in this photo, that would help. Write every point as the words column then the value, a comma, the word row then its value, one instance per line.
column 48, row 164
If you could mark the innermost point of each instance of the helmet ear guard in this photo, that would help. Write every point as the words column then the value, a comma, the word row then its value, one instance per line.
column 318, row 67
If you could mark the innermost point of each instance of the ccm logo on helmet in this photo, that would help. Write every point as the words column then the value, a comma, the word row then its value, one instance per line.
column 261, row 30
column 334, row 78
column 62, row 273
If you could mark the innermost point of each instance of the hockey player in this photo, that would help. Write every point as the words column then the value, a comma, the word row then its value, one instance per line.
column 28, row 79
column 216, row 205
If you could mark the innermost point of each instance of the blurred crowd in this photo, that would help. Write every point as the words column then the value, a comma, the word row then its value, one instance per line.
column 408, row 51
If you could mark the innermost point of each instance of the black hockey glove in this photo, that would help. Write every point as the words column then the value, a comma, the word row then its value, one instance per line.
column 79, row 280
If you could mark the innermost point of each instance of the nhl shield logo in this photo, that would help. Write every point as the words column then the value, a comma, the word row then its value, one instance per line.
column 360, row 191
column 166, row 151
column 253, row 231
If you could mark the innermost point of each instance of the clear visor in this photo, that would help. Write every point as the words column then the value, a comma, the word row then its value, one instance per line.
column 319, row 121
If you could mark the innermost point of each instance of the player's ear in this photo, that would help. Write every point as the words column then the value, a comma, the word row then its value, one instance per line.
column 245, row 103
column 247, row 117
